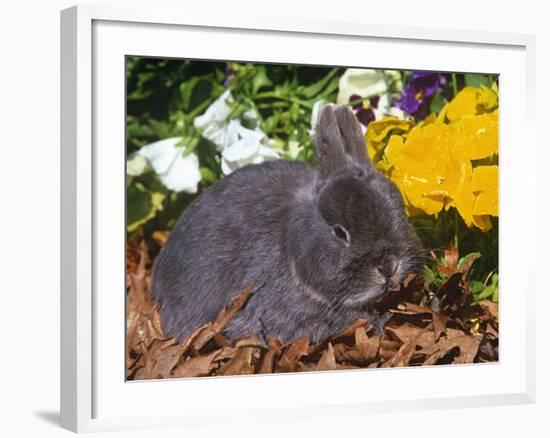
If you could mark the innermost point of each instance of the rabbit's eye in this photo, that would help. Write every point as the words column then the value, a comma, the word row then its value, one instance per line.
column 360, row 173
column 341, row 233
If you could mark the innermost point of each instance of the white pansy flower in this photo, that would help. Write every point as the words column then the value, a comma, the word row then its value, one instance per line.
column 238, row 145
column 362, row 82
column 214, row 124
column 384, row 109
column 251, row 148
column 382, row 85
column 395, row 80
column 177, row 172
column 136, row 165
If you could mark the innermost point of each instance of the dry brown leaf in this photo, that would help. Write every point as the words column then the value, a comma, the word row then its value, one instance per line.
column 206, row 352
column 240, row 364
column 236, row 303
column 349, row 332
column 367, row 347
column 467, row 345
column 490, row 307
column 388, row 348
column 251, row 341
column 410, row 290
column 270, row 358
column 439, row 321
column 405, row 332
column 151, row 355
column 295, row 351
column 451, row 257
column 327, row 361
column 346, row 354
column 200, row 337
column 403, row 355
column 226, row 353
column 160, row 237
column 439, row 324
column 196, row 366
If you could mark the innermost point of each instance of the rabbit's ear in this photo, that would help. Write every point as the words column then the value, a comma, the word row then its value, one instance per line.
column 352, row 135
column 329, row 145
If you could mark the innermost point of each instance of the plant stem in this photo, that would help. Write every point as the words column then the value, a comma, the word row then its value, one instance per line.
column 455, row 85
column 357, row 101
column 456, row 229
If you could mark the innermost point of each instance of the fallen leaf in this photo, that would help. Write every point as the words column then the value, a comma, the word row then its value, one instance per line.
column 367, row 347
column 295, row 351
column 346, row 354
column 403, row 355
column 327, row 361
column 269, row 359
column 251, row 341
column 405, row 332
column 196, row 366
column 236, row 303
column 240, row 364
column 388, row 348
column 160, row 237
column 490, row 307
column 451, row 257
column 467, row 345
column 445, row 329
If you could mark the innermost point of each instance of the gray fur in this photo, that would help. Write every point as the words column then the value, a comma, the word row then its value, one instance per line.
column 331, row 240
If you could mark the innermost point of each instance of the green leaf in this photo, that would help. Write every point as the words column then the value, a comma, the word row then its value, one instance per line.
column 486, row 293
column 476, row 80
column 467, row 259
column 260, row 79
column 314, row 89
column 142, row 206
column 208, row 175
column 430, row 276
column 160, row 129
column 195, row 91
column 437, row 103
column 477, row 287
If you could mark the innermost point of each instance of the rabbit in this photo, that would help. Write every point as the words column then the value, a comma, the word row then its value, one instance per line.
column 329, row 240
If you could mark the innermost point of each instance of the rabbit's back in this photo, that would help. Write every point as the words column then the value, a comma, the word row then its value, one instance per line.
column 224, row 239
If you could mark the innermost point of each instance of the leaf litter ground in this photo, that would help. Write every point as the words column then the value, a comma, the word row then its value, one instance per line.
column 427, row 327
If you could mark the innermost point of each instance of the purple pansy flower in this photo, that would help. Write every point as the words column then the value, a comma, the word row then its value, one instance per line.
column 421, row 85
column 364, row 111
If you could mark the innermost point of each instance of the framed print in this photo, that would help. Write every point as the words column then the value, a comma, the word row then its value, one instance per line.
column 302, row 218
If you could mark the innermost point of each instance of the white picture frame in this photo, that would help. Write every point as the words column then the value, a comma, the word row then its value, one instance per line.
column 94, row 395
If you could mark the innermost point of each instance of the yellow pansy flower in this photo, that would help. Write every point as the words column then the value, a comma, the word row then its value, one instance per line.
column 432, row 167
column 379, row 130
column 477, row 199
column 470, row 101
column 476, row 136
column 435, row 163
column 426, row 167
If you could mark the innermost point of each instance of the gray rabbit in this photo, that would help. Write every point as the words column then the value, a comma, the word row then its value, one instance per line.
column 330, row 240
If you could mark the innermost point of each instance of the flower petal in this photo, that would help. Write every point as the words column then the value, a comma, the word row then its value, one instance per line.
column 217, row 112
column 485, row 189
column 363, row 82
column 183, row 175
column 161, row 154
column 177, row 172
column 136, row 165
